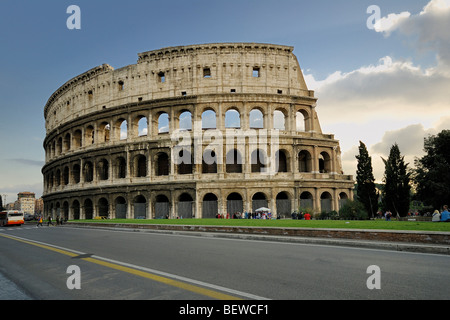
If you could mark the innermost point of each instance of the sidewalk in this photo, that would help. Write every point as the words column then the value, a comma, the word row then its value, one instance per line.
column 9, row 291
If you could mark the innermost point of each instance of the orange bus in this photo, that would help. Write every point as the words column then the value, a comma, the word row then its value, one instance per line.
column 11, row 217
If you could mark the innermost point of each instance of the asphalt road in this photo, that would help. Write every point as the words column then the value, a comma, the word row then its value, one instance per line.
column 129, row 265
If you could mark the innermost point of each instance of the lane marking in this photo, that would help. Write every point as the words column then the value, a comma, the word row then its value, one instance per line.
column 187, row 284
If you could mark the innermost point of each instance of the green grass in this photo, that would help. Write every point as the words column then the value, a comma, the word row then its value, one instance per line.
column 287, row 223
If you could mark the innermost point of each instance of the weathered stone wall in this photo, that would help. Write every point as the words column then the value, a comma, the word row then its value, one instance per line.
column 118, row 141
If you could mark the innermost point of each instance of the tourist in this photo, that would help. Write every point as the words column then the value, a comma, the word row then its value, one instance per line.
column 39, row 221
column 436, row 216
column 445, row 215
column 388, row 215
column 307, row 216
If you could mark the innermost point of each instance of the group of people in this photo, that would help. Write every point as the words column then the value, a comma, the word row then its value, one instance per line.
column 443, row 216
column 245, row 215
column 301, row 215
column 59, row 221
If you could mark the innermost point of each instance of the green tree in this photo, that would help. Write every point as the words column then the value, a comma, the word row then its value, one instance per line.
column 432, row 173
column 366, row 192
column 397, row 188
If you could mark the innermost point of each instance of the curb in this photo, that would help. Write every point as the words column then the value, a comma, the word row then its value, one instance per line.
column 407, row 241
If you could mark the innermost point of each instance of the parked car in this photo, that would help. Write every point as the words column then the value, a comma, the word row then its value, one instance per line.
column 28, row 217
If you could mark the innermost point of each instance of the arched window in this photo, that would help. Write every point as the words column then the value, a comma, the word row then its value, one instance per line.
column 121, row 208
column 210, row 207
column 88, row 209
column 103, row 169
column 77, row 141
column 281, row 161
column 300, row 120
column 283, row 204
column 306, row 201
column 232, row 119
column 121, row 167
column 50, row 180
column 258, row 160
column 163, row 123
column 66, row 143
column 324, row 162
column 123, row 135
column 185, row 162
column 88, row 172
column 256, row 119
column 76, row 209
column 343, row 198
column 140, row 207
column 259, row 200
column 233, row 161
column 209, row 162
column 140, row 166
column 234, row 203
column 162, row 207
column 279, row 120
column 162, row 164
column 209, row 119
column 90, row 135
column 59, row 146
column 325, row 202
column 76, row 173
column 103, row 207
column 142, row 126
column 66, row 176
column 185, row 121
column 184, row 209
column 304, row 161
column 58, row 178
column 104, row 132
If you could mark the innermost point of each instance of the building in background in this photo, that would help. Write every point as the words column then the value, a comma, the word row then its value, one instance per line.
column 26, row 202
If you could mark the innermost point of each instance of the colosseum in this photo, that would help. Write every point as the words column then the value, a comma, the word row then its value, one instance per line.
column 190, row 132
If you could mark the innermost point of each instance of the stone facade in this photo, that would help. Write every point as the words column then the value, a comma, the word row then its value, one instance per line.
column 190, row 131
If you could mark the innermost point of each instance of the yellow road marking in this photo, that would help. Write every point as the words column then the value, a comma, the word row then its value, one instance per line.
column 182, row 285
column 67, row 253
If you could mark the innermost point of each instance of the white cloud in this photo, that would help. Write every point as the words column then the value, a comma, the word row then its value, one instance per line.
column 427, row 30
column 389, row 89
column 391, row 22
column 394, row 100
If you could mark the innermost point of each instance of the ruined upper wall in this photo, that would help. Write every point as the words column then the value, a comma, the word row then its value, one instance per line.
column 180, row 71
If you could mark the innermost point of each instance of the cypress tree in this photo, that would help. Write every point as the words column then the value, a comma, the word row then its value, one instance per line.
column 366, row 191
column 396, row 193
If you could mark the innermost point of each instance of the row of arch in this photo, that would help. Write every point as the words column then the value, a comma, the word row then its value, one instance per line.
column 140, row 125
column 104, row 168
column 184, row 206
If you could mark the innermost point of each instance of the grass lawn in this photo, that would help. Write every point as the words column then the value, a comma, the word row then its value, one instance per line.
column 288, row 223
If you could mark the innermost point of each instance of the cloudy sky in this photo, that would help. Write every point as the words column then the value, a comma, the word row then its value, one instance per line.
column 380, row 68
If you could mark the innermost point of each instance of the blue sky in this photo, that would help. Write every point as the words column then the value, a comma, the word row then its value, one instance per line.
column 341, row 58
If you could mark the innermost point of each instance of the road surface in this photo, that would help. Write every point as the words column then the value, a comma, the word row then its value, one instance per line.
column 63, row 262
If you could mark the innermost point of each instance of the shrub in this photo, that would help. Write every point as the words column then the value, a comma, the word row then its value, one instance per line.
column 353, row 210
column 333, row 215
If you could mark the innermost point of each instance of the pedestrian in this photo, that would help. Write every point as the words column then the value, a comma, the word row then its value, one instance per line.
column 50, row 221
column 307, row 216
column 445, row 215
column 388, row 215
column 39, row 221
